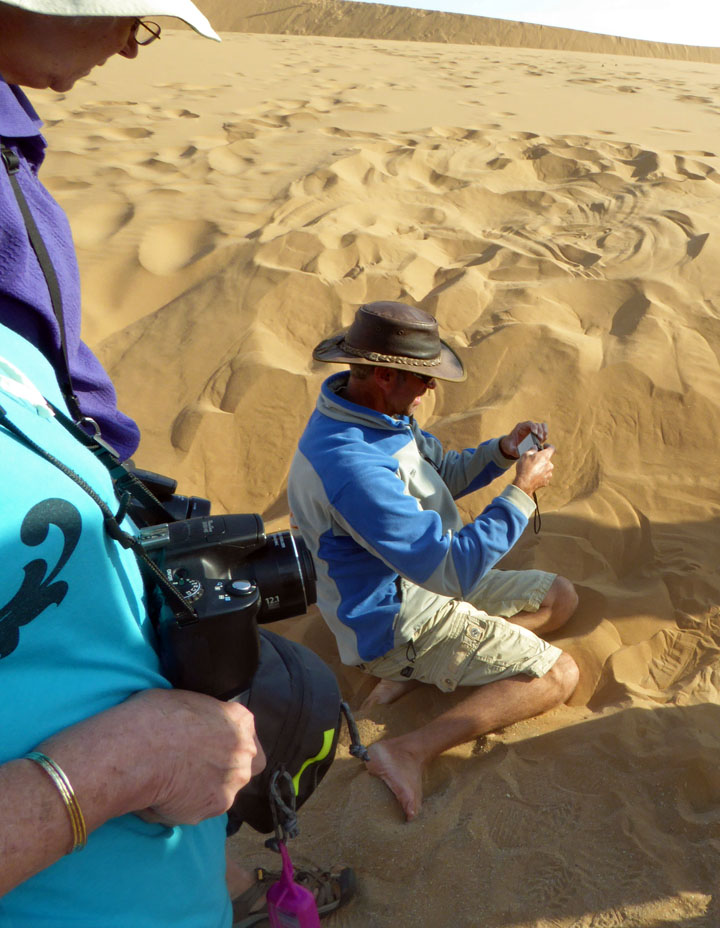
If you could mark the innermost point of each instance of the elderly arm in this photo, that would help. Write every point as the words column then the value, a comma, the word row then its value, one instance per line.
column 177, row 757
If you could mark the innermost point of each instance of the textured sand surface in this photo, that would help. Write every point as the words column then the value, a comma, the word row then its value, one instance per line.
column 560, row 213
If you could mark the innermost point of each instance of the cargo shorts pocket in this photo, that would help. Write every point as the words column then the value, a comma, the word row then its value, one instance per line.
column 484, row 649
column 451, row 657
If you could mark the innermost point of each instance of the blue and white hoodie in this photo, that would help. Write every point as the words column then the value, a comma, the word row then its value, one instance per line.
column 373, row 498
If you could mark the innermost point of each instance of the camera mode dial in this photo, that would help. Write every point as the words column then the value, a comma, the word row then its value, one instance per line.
column 191, row 590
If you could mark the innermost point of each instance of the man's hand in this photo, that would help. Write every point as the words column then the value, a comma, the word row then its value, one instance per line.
column 509, row 443
column 534, row 470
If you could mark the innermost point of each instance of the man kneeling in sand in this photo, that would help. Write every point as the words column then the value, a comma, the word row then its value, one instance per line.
column 406, row 587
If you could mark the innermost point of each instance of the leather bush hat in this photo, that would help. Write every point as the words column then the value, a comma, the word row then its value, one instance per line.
column 387, row 334
column 180, row 9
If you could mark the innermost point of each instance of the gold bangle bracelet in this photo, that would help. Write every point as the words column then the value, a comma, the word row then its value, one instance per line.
column 57, row 775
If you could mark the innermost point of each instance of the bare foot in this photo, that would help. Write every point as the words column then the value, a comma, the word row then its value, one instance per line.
column 387, row 691
column 400, row 772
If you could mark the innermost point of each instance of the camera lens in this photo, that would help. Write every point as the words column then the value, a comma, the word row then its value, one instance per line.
column 285, row 574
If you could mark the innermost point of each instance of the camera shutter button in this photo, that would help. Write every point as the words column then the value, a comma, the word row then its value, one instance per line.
column 240, row 587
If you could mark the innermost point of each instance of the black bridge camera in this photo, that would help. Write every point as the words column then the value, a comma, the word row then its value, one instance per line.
column 234, row 577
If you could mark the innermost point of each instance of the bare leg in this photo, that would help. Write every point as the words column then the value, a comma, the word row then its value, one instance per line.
column 559, row 604
column 399, row 762
column 386, row 691
column 238, row 879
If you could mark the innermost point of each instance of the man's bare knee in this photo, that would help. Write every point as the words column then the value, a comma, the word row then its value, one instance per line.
column 562, row 599
column 563, row 676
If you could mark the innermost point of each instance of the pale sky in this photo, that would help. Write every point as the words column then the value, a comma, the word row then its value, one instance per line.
column 687, row 22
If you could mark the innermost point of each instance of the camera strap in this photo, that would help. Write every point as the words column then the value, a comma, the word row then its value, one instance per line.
column 123, row 480
column 283, row 810
column 182, row 611
column 537, row 518
column 12, row 165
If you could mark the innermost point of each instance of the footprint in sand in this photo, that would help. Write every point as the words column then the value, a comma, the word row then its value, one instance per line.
column 227, row 160
column 693, row 98
column 553, row 881
column 168, row 247
column 61, row 184
column 240, row 131
column 98, row 222
column 696, row 170
column 118, row 133
column 509, row 822
column 159, row 166
column 179, row 114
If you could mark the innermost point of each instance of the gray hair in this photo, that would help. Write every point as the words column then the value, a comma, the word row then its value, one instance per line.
column 361, row 371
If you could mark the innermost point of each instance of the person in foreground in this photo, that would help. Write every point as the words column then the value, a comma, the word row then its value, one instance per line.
column 408, row 590
column 85, row 699
column 98, row 756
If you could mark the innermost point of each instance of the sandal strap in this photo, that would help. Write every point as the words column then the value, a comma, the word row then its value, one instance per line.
column 321, row 884
column 242, row 904
column 328, row 888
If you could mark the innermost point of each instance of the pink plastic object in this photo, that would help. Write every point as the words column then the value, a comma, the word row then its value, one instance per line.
column 290, row 905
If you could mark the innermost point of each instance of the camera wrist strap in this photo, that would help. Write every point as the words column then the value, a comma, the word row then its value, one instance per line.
column 12, row 166
column 182, row 611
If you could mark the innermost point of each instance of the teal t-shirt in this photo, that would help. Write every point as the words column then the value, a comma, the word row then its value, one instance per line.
column 75, row 639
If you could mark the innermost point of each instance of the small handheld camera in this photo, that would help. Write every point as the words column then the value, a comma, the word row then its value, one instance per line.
column 530, row 443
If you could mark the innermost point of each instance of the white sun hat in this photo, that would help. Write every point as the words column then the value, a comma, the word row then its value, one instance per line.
column 180, row 9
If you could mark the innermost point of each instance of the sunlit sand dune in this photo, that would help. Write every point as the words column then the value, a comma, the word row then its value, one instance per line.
column 559, row 212
column 345, row 18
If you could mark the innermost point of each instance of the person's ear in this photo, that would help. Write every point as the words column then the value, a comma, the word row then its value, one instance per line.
column 385, row 378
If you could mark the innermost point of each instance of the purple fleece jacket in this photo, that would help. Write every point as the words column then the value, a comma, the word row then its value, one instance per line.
column 24, row 298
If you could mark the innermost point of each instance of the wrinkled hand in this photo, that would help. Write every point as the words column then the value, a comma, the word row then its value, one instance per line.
column 204, row 752
column 509, row 443
column 534, row 470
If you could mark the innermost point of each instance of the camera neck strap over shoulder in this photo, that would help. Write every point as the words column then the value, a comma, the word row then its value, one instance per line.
column 126, row 486
column 12, row 166
column 123, row 480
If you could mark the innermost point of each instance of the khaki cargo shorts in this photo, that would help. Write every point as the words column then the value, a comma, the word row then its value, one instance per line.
column 465, row 645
